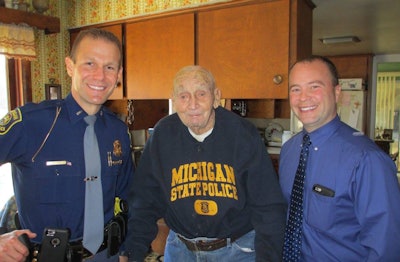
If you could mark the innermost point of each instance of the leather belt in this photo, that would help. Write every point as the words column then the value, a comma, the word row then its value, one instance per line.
column 201, row 245
column 77, row 251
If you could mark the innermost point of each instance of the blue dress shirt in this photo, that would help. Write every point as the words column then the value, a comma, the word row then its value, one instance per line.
column 351, row 197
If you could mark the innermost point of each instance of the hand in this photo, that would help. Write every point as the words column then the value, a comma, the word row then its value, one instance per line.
column 123, row 259
column 11, row 249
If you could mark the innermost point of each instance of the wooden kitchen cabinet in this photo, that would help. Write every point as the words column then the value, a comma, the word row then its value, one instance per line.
column 155, row 50
column 118, row 92
column 249, row 48
column 245, row 47
column 354, row 66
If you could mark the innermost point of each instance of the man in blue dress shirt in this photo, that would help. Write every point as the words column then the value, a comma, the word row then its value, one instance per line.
column 351, row 193
column 44, row 143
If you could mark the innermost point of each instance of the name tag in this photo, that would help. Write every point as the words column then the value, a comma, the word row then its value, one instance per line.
column 323, row 190
column 58, row 163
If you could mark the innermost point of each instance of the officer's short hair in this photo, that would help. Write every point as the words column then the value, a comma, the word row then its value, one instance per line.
column 331, row 66
column 95, row 33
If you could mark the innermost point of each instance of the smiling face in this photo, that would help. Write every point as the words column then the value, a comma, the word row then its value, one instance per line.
column 195, row 98
column 95, row 72
column 312, row 93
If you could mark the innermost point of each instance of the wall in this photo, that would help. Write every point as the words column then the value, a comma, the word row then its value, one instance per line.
column 52, row 49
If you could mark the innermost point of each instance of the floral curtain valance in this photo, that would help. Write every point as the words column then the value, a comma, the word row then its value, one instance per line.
column 17, row 41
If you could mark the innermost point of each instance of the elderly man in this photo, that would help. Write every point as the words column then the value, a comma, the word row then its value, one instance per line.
column 206, row 171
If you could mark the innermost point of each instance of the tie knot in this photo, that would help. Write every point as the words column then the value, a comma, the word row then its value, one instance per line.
column 306, row 140
column 90, row 119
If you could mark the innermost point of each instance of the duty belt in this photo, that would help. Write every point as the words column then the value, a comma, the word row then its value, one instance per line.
column 75, row 251
column 204, row 245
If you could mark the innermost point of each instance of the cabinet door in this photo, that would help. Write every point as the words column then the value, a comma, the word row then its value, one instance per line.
column 245, row 47
column 117, row 31
column 118, row 92
column 155, row 50
column 353, row 66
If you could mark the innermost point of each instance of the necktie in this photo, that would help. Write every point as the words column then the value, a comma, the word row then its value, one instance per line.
column 292, row 245
column 94, row 216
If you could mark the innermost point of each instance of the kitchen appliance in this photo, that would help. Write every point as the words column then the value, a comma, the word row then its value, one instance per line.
column 352, row 103
column 239, row 107
column 273, row 134
column 351, row 108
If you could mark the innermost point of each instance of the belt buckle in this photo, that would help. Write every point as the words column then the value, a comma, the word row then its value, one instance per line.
column 202, row 245
column 214, row 244
column 77, row 250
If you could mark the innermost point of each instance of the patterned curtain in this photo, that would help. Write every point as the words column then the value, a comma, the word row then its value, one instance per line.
column 387, row 84
column 17, row 41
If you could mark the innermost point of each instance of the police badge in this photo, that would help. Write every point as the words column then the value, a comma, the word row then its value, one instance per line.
column 117, row 151
column 9, row 120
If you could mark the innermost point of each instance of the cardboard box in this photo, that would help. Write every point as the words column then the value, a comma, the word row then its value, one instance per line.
column 352, row 83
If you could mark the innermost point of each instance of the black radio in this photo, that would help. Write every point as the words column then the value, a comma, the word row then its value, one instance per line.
column 54, row 245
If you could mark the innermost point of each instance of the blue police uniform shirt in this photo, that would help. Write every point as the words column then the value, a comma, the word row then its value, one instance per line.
column 351, row 197
column 48, row 174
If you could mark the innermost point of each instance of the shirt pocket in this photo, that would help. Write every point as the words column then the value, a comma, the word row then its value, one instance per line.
column 60, row 184
column 320, row 211
column 113, row 166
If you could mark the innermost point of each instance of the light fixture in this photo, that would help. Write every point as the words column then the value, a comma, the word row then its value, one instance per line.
column 340, row 40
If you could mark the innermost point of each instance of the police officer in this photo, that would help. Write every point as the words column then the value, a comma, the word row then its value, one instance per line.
column 44, row 143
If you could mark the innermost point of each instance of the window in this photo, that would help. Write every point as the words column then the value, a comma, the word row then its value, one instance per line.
column 387, row 120
column 6, row 188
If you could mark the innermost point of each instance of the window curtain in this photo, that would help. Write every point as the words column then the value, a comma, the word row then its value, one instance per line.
column 387, row 85
column 17, row 41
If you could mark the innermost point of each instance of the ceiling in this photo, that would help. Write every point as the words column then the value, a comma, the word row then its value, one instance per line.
column 376, row 23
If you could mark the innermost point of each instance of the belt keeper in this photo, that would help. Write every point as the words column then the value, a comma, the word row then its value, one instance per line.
column 228, row 242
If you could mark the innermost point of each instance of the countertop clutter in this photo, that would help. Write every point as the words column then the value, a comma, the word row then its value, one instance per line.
column 273, row 150
column 273, row 132
column 274, row 135
column 273, row 138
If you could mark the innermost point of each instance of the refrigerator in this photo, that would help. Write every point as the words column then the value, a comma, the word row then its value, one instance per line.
column 351, row 108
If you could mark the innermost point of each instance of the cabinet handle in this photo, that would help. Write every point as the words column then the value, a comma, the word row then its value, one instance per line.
column 277, row 79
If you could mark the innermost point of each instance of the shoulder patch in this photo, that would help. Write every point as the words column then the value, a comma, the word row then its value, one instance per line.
column 9, row 120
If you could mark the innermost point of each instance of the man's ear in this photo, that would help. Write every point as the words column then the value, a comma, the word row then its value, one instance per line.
column 69, row 64
column 217, row 98
column 338, row 90
column 119, row 76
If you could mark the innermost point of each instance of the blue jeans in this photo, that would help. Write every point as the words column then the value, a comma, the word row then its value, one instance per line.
column 242, row 250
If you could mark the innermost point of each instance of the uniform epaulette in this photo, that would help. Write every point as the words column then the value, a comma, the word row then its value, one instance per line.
column 29, row 107
column 15, row 116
